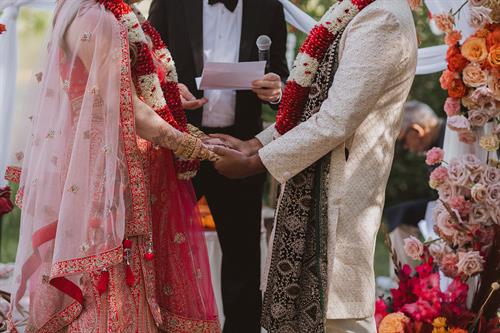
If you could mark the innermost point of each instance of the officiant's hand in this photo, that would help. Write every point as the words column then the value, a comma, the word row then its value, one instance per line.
column 249, row 148
column 268, row 88
column 236, row 165
column 189, row 102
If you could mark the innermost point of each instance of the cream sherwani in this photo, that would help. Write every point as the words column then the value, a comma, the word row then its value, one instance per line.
column 377, row 62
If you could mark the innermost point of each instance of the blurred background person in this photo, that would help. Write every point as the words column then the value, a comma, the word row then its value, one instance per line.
column 421, row 129
column 201, row 31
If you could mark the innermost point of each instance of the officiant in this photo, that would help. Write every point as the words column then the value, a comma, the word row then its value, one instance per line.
column 201, row 31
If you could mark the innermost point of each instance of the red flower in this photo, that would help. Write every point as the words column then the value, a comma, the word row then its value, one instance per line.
column 6, row 205
column 380, row 311
column 422, row 310
column 456, row 61
column 457, row 89
column 2, row 28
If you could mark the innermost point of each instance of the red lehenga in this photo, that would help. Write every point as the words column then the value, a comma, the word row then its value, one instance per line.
column 110, row 239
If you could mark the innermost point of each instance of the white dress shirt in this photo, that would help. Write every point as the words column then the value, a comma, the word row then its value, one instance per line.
column 221, row 43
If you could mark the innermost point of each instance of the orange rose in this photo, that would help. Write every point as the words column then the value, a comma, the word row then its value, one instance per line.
column 474, row 49
column 456, row 62
column 474, row 76
column 494, row 56
column 444, row 22
column 446, row 78
column 394, row 323
column 453, row 38
column 457, row 89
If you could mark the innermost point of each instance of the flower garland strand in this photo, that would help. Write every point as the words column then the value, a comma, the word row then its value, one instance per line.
column 308, row 60
column 158, row 89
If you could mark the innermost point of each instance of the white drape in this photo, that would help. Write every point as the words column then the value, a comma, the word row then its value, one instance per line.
column 430, row 59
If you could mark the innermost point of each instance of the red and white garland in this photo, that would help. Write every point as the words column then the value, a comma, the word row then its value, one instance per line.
column 158, row 89
column 308, row 60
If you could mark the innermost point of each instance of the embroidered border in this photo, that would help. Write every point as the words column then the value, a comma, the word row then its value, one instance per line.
column 13, row 174
column 62, row 319
column 177, row 324
column 90, row 263
column 140, row 204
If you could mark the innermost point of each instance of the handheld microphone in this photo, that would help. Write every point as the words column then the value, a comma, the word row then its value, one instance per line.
column 264, row 46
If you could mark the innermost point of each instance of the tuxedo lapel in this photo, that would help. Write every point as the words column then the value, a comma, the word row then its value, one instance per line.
column 249, row 28
column 194, row 24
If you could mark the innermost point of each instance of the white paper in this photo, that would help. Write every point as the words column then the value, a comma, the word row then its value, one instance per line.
column 231, row 76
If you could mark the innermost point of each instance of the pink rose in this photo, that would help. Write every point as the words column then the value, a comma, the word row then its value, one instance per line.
column 493, row 194
column 434, row 156
column 495, row 214
column 472, row 163
column 446, row 191
column 479, row 17
column 443, row 223
column 482, row 96
column 491, row 175
column 452, row 106
column 478, row 192
column 448, row 265
column 479, row 215
column 474, row 76
column 470, row 263
column 478, row 117
column 438, row 176
column 458, row 173
column 438, row 249
column 413, row 248
column 478, row 2
column 461, row 205
column 458, row 123
column 460, row 239
column 467, row 137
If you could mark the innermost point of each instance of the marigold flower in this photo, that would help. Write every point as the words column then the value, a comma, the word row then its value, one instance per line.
column 456, row 330
column 439, row 322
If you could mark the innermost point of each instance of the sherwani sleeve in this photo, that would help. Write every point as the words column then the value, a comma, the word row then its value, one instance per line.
column 266, row 136
column 371, row 55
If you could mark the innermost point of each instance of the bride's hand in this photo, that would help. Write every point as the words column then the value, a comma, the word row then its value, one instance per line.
column 192, row 148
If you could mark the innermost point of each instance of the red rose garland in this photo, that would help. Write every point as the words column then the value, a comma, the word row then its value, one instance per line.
column 307, row 62
column 162, row 95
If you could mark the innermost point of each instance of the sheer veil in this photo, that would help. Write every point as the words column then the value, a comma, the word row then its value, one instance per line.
column 87, row 183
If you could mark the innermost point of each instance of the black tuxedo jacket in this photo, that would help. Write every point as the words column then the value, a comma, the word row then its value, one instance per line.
column 180, row 23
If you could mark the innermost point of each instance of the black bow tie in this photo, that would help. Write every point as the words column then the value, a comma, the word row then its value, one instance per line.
column 230, row 4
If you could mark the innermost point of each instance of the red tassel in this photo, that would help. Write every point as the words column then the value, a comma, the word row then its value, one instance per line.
column 149, row 256
column 127, row 244
column 129, row 276
column 102, row 283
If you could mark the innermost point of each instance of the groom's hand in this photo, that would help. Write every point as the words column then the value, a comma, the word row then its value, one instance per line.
column 249, row 148
column 236, row 165
column 189, row 102
column 268, row 88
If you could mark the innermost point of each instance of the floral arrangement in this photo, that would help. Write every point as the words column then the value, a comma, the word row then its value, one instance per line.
column 472, row 78
column 466, row 214
column 6, row 205
column 418, row 305
column 308, row 60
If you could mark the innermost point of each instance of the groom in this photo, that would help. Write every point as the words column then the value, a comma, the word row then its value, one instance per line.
column 333, row 153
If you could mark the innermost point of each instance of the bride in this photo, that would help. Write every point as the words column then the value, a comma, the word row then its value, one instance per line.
column 110, row 236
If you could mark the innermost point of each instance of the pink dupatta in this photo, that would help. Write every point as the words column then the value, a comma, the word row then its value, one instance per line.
column 88, row 183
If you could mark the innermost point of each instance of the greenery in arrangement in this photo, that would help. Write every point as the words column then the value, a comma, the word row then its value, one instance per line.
column 409, row 175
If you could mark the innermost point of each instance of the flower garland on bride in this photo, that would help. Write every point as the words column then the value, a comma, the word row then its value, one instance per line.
column 158, row 88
